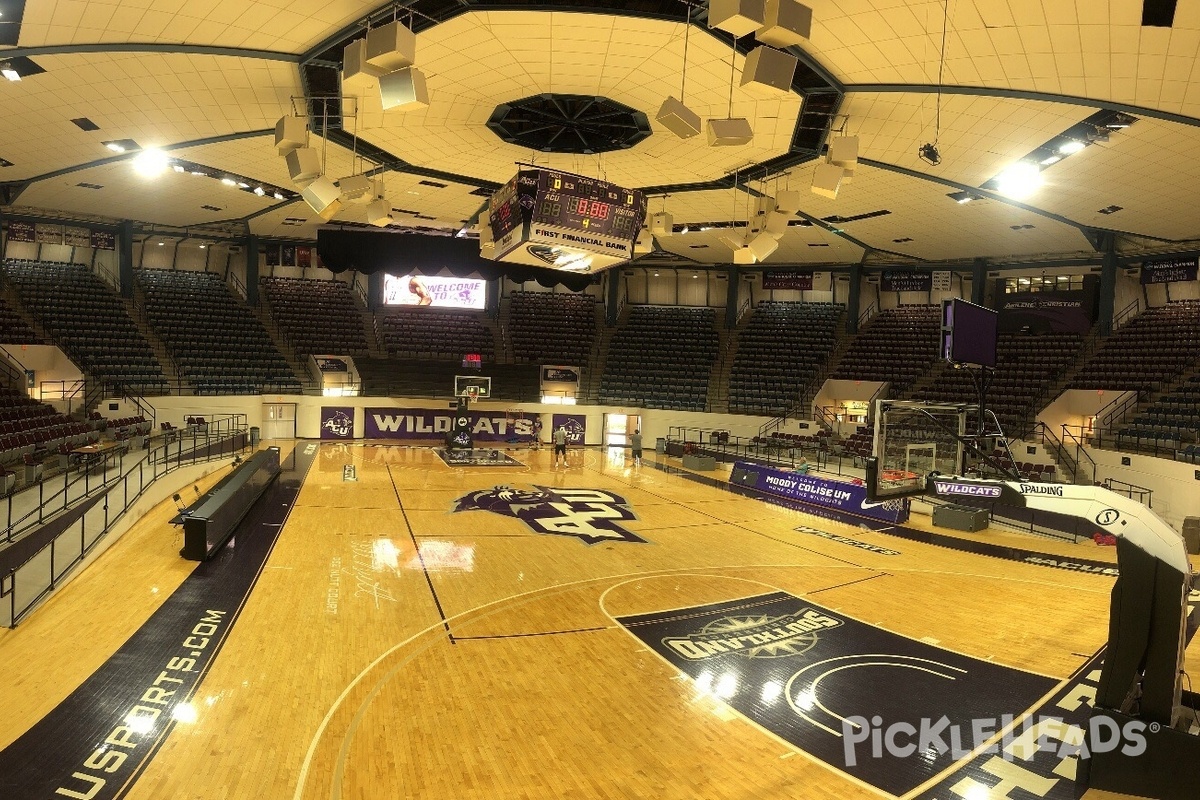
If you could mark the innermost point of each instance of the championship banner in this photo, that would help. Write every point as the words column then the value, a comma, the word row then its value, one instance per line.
column 77, row 237
column 1174, row 270
column 1063, row 312
column 103, row 240
column 576, row 425
column 21, row 231
column 287, row 257
column 48, row 234
column 942, row 280
column 838, row 495
column 304, row 257
column 795, row 279
column 894, row 280
column 337, row 422
column 433, row 424
column 272, row 255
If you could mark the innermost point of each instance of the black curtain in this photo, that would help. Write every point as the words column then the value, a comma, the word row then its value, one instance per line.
column 402, row 253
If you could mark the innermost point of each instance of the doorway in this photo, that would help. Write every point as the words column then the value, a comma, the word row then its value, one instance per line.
column 279, row 421
column 617, row 428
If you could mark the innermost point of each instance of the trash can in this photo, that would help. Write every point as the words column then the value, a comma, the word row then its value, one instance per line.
column 660, row 446
column 254, row 433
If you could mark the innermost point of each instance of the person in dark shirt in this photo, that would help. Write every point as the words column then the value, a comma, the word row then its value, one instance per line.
column 635, row 442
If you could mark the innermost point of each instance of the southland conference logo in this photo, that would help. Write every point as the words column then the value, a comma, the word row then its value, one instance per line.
column 758, row 636
column 590, row 515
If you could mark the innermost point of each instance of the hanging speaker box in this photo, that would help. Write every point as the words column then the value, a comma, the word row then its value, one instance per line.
column 768, row 72
column 739, row 17
column 323, row 196
column 304, row 165
column 355, row 187
column 403, row 90
column 743, row 255
column 290, row 133
column 358, row 77
column 786, row 23
column 391, row 47
column 827, row 179
column 379, row 213
column 843, row 151
column 729, row 132
column 763, row 246
column 787, row 201
column 678, row 118
column 662, row 224
column 777, row 223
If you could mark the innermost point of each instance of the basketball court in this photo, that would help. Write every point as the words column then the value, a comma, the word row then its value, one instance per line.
column 603, row 630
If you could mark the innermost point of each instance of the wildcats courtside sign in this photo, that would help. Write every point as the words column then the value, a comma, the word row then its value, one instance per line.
column 433, row 424
column 803, row 671
column 837, row 495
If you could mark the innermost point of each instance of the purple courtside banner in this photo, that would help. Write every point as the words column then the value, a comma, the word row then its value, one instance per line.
column 337, row 422
column 576, row 427
column 433, row 424
column 838, row 495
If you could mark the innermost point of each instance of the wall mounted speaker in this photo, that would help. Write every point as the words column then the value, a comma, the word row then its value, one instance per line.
column 785, row 23
column 739, row 17
column 403, row 90
column 290, row 133
column 827, row 179
column 324, row 197
column 304, row 165
column 768, row 72
column 391, row 47
column 729, row 132
column 678, row 118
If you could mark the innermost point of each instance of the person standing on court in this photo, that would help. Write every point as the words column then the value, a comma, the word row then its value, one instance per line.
column 560, row 445
column 635, row 442
column 537, row 432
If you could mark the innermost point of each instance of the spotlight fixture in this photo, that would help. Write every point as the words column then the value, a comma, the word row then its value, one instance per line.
column 1073, row 146
column 151, row 163
column 116, row 147
column 258, row 190
column 229, row 181
column 278, row 195
column 1020, row 180
column 7, row 70
column 179, row 168
column 928, row 153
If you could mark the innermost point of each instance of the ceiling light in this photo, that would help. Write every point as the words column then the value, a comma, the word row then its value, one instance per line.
column 1073, row 146
column 116, row 147
column 242, row 185
column 202, row 246
column 198, row 172
column 7, row 71
column 1019, row 181
column 278, row 196
column 1045, row 162
column 160, row 244
column 151, row 163
column 229, row 181
column 656, row 274
column 179, row 168
column 685, row 229
column 258, row 190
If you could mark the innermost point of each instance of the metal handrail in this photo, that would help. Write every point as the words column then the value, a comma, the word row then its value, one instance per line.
column 1081, row 453
column 1127, row 313
column 1144, row 495
column 238, row 285
column 160, row 461
column 866, row 316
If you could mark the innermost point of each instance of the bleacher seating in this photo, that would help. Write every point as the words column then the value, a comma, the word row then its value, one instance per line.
column 661, row 358
column 898, row 345
column 28, row 427
column 14, row 329
column 316, row 317
column 549, row 328
column 88, row 321
column 1027, row 366
column 1152, row 350
column 435, row 335
column 1171, row 423
column 218, row 344
column 781, row 349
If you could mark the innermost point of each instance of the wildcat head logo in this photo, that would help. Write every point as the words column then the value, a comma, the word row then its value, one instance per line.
column 575, row 430
column 590, row 515
column 339, row 424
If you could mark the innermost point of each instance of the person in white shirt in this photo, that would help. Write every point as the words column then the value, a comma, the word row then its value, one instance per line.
column 560, row 445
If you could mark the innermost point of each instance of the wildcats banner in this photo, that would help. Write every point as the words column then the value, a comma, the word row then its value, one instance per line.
column 434, row 424
column 103, row 240
column 801, row 280
column 21, row 231
column 837, row 495
column 337, row 422
column 901, row 281
column 1065, row 312
column 1170, row 271
column 576, row 425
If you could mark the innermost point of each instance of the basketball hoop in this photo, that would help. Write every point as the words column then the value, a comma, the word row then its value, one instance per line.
column 471, row 393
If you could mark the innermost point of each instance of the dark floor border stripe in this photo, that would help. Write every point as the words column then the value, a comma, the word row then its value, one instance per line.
column 100, row 738
column 1004, row 552
column 536, row 633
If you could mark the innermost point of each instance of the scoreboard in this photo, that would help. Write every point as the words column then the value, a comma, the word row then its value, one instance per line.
column 555, row 219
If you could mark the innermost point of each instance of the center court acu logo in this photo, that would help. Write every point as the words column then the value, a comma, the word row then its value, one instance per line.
column 755, row 637
column 590, row 515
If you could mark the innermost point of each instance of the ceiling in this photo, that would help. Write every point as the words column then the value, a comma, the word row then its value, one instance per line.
column 206, row 80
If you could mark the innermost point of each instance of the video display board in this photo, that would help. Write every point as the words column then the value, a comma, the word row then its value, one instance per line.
column 435, row 291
